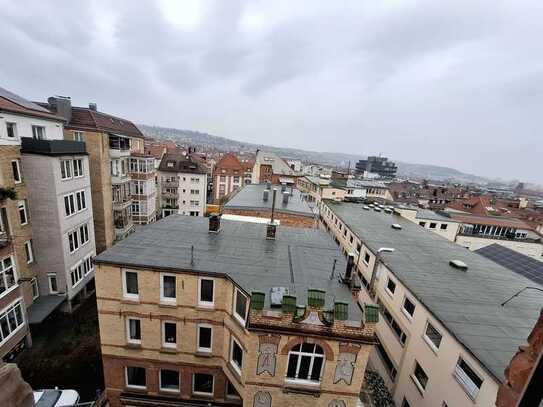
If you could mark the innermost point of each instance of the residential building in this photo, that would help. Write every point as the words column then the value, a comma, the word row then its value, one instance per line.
column 143, row 195
column 19, row 265
column 229, row 175
column 357, row 189
column 377, row 165
column 317, row 188
column 59, row 195
column 295, row 164
column 255, row 202
column 269, row 167
column 110, row 142
column 193, row 311
column 436, row 222
column 182, row 185
column 444, row 339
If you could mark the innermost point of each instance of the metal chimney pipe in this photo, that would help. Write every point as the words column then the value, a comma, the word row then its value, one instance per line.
column 285, row 197
column 273, row 204
column 265, row 195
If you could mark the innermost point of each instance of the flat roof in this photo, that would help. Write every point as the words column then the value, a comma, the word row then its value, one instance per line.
column 432, row 215
column 250, row 198
column 468, row 302
column 299, row 258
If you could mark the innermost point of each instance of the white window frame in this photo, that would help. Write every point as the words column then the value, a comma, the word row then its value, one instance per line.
column 198, row 347
column 313, row 356
column 134, row 386
column 78, row 135
column 160, row 381
column 77, row 269
column 14, row 127
column 128, row 338
column 66, row 165
column 51, row 276
column 232, row 362
column 240, row 318
column 85, row 227
column 2, row 275
column 74, row 233
column 391, row 293
column 80, row 169
column 205, row 304
column 29, row 251
column 201, row 393
column 71, row 203
column 82, row 198
column 19, row 173
column 34, row 286
column 22, row 205
column 169, row 344
column 418, row 384
column 471, row 393
column 126, row 294
column 35, row 132
column 405, row 312
column 8, row 308
column 428, row 340
column 162, row 297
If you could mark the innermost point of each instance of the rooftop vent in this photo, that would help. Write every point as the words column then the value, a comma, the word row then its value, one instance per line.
column 214, row 223
column 271, row 230
column 377, row 209
column 396, row 226
column 366, row 207
column 385, row 250
column 93, row 107
column 276, row 295
column 388, row 210
column 458, row 264
column 265, row 195
column 286, row 195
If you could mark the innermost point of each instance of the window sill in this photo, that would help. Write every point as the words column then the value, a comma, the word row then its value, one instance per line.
column 302, row 387
column 202, row 395
column 130, row 301
column 204, row 307
column 430, row 344
column 417, row 385
column 138, row 389
column 203, row 354
column 406, row 314
column 164, row 304
column 468, row 395
column 133, row 345
column 165, row 349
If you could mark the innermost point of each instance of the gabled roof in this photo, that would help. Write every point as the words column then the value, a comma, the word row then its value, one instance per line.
column 88, row 119
column 229, row 162
column 10, row 102
column 279, row 166
column 180, row 163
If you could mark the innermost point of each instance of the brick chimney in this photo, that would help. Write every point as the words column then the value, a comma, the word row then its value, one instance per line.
column 214, row 223
column 62, row 106
column 93, row 107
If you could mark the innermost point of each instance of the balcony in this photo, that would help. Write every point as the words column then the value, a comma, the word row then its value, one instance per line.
column 119, row 146
column 170, row 184
column 123, row 228
column 124, row 203
column 4, row 239
column 169, row 195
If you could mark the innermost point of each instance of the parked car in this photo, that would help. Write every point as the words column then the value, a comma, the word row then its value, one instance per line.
column 56, row 398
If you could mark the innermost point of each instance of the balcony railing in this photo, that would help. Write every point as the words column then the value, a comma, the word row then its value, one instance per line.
column 170, row 184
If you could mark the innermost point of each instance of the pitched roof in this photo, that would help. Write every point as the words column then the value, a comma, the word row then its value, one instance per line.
column 83, row 117
column 10, row 102
column 229, row 162
column 180, row 163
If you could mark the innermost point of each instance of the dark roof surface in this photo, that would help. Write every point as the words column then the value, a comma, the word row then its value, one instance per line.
column 11, row 102
column 519, row 263
column 250, row 197
column 298, row 259
column 83, row 117
column 180, row 163
column 466, row 302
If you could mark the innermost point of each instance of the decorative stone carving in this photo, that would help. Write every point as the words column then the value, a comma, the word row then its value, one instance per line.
column 337, row 403
column 345, row 367
column 267, row 354
column 312, row 319
column 263, row 399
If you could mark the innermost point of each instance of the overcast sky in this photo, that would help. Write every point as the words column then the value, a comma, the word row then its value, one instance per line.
column 454, row 83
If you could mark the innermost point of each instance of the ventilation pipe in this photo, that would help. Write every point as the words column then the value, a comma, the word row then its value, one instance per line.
column 265, row 195
column 286, row 195
column 271, row 228
column 349, row 269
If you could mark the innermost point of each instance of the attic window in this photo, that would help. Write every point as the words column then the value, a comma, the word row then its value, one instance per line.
column 458, row 264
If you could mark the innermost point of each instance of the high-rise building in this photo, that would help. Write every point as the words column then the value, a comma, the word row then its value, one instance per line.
column 376, row 165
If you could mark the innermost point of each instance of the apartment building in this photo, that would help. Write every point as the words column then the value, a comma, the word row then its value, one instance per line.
column 111, row 143
column 182, row 185
column 19, row 265
column 255, row 202
column 229, row 175
column 317, row 189
column 269, row 167
column 59, row 194
column 444, row 339
column 142, row 173
column 217, row 312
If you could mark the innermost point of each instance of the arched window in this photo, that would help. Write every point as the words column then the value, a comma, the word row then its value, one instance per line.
column 305, row 362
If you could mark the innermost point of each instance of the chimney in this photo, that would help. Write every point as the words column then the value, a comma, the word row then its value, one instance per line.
column 265, row 195
column 283, row 187
column 62, row 106
column 93, row 107
column 268, row 185
column 285, row 197
column 271, row 228
column 349, row 268
column 214, row 223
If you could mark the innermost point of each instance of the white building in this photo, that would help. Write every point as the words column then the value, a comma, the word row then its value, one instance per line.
column 182, row 185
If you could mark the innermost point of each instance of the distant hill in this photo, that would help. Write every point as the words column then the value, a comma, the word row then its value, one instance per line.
column 209, row 141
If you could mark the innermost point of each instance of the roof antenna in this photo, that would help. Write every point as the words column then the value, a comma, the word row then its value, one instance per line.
column 333, row 269
column 518, row 293
column 192, row 255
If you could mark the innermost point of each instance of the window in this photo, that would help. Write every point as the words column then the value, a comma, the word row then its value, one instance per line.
column 11, row 320
column 130, row 285
column 405, row 403
column 240, row 306
column 169, row 334
column 468, row 379
column 80, row 198
column 305, row 362
column 443, row 226
column 387, row 361
column 222, row 178
column 38, row 132
column 391, row 286
column 135, row 377
column 205, row 338
column 236, row 355
column 169, row 380
column 78, row 168
column 367, row 258
column 432, row 336
column 400, row 334
column 8, row 276
column 78, row 135
column 205, row 292
column 87, row 265
column 135, row 208
column 423, row 224
column 420, row 377
column 167, row 288
column 231, row 391
column 16, row 169
column 76, row 274
column 69, row 205
column 11, row 130
column 65, row 169
column 73, row 241
column 84, row 234
column 194, row 203
column 139, row 188
column 433, row 225
column 23, row 216
column 28, row 251
column 35, row 289
column 202, row 383
column 408, row 308
column 194, row 191
column 133, row 330
column 53, row 287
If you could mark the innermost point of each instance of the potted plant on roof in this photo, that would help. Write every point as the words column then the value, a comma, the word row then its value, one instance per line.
column 6, row 193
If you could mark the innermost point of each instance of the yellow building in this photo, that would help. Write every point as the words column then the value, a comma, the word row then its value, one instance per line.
column 230, row 313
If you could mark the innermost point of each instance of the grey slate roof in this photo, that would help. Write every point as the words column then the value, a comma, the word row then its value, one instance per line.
column 300, row 258
column 431, row 215
column 466, row 302
column 250, row 197
column 180, row 163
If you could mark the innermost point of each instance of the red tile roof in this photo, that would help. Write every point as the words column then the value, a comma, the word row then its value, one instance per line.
column 88, row 119
column 229, row 162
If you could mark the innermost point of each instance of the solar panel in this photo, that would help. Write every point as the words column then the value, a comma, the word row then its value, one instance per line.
column 20, row 101
column 519, row 263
